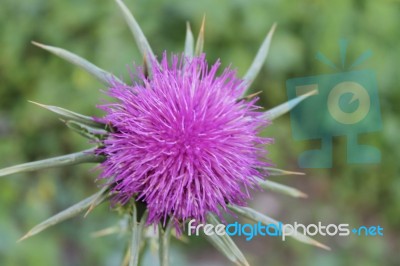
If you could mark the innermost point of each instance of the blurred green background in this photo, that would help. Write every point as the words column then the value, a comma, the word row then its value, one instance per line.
column 354, row 194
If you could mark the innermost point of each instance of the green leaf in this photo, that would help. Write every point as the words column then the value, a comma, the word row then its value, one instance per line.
column 86, row 156
column 70, row 115
column 189, row 41
column 140, row 39
column 279, row 172
column 106, row 231
column 259, row 217
column 134, row 256
column 217, row 242
column 248, row 97
column 100, row 74
column 200, row 38
column 270, row 185
column 87, row 131
column 137, row 232
column 228, row 245
column 122, row 227
column 287, row 106
column 260, row 58
column 64, row 215
column 97, row 200
column 163, row 243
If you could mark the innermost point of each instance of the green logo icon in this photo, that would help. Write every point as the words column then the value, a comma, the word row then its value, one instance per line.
column 346, row 104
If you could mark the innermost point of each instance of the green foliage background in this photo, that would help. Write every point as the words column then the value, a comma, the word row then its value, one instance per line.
column 354, row 194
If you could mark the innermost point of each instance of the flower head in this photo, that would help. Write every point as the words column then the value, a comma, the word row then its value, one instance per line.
column 184, row 141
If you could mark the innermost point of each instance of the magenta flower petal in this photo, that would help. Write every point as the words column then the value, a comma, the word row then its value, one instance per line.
column 183, row 143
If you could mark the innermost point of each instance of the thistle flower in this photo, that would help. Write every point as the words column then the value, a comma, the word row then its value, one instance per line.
column 184, row 141
column 179, row 143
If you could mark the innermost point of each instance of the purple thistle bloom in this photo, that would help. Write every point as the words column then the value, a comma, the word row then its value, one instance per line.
column 183, row 142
